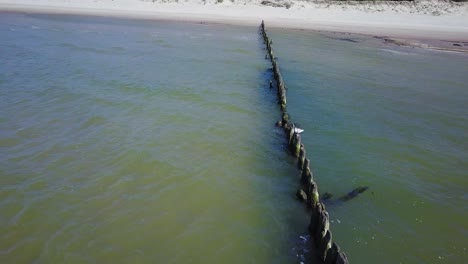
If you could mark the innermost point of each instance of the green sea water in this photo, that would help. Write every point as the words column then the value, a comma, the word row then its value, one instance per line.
column 131, row 141
column 394, row 119
column 128, row 141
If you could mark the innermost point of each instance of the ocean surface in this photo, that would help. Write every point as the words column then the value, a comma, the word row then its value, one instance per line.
column 394, row 119
column 132, row 141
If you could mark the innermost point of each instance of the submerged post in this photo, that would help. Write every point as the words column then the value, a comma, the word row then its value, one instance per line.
column 319, row 227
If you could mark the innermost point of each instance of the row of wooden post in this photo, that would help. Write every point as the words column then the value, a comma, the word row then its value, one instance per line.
column 319, row 227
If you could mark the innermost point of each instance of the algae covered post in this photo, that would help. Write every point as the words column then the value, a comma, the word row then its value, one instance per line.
column 319, row 227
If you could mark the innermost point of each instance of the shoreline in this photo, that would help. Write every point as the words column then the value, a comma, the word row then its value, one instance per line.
column 445, row 32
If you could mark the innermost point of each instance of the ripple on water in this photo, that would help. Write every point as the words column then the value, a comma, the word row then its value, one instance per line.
column 120, row 152
column 76, row 48
column 93, row 121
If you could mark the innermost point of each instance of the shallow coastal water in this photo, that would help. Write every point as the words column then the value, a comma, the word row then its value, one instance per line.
column 139, row 142
column 147, row 141
column 391, row 118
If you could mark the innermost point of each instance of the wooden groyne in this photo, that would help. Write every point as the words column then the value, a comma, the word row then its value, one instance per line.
column 328, row 251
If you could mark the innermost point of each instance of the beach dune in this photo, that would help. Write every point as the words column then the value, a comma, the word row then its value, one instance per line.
column 422, row 20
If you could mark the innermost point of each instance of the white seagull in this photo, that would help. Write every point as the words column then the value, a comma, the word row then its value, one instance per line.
column 298, row 130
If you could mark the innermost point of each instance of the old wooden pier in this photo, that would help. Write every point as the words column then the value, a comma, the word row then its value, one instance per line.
column 319, row 227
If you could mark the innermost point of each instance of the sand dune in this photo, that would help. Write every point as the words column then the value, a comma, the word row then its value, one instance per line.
column 441, row 20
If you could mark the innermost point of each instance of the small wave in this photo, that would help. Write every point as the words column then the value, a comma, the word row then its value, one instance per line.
column 94, row 121
column 118, row 49
column 90, row 31
column 239, row 51
column 8, row 142
column 133, row 89
column 162, row 43
column 242, row 38
column 347, row 39
column 397, row 52
column 301, row 249
column 442, row 50
column 112, row 50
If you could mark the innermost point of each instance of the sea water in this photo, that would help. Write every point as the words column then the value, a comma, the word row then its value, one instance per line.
column 125, row 141
column 394, row 119
column 131, row 141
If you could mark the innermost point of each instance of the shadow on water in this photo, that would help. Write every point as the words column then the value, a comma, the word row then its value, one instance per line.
column 327, row 198
column 301, row 246
column 306, row 249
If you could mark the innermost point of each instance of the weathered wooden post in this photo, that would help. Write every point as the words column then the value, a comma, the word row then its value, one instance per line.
column 306, row 174
column 325, row 245
column 285, row 119
column 332, row 254
column 297, row 145
column 319, row 226
column 314, row 219
column 300, row 160
column 323, row 225
column 313, row 194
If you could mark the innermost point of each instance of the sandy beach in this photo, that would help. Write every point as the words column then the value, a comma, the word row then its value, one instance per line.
column 425, row 24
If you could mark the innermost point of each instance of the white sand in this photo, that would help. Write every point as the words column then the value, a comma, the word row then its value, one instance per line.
column 422, row 20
